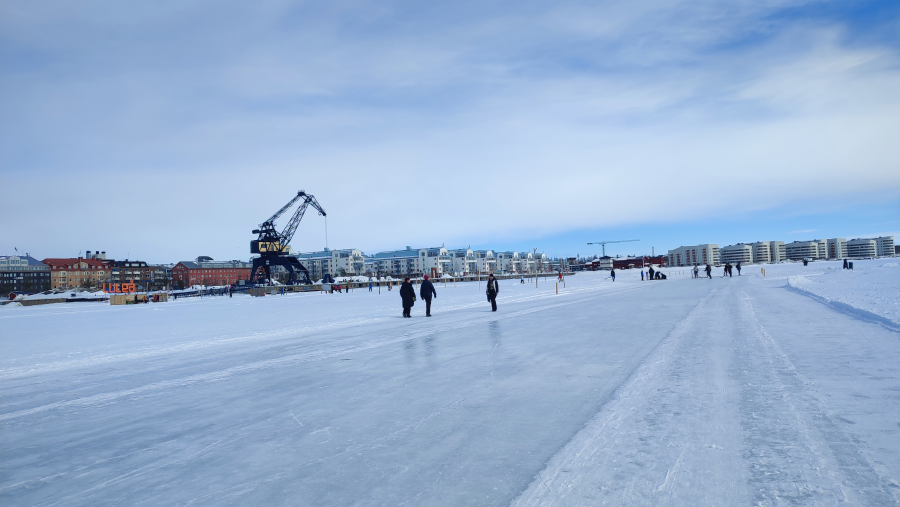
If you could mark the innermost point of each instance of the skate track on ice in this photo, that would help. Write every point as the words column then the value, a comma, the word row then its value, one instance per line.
column 738, row 391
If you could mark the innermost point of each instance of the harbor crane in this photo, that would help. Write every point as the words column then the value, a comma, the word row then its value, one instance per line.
column 272, row 246
column 603, row 243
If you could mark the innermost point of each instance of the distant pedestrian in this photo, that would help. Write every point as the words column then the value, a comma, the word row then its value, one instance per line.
column 560, row 277
column 709, row 271
column 370, row 286
column 612, row 273
column 521, row 278
column 650, row 271
column 493, row 288
column 642, row 275
column 408, row 296
column 738, row 266
column 427, row 292
column 845, row 264
column 696, row 271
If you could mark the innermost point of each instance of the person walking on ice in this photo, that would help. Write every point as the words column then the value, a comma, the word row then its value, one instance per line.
column 408, row 295
column 642, row 275
column 738, row 266
column 493, row 287
column 427, row 291
column 709, row 271
column 612, row 273
column 696, row 271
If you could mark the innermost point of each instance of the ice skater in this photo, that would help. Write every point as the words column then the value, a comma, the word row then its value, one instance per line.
column 493, row 288
column 427, row 291
column 408, row 295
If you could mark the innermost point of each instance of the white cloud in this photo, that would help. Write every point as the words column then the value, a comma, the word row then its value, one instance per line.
column 433, row 124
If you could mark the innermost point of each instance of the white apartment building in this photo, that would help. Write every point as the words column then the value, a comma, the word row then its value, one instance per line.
column 836, row 248
column 766, row 252
column 862, row 247
column 884, row 246
column 526, row 262
column 435, row 261
column 397, row 262
column 346, row 262
column 694, row 255
column 486, row 263
column 508, row 262
column 799, row 250
column 464, row 262
column 740, row 252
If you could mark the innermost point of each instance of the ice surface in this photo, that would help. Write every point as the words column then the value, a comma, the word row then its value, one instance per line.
column 737, row 391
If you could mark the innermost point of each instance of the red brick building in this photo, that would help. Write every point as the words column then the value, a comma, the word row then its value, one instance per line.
column 638, row 262
column 188, row 273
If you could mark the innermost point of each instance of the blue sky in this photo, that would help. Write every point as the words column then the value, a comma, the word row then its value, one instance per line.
column 170, row 130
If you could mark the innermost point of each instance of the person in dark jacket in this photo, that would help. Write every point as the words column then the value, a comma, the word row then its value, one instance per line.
column 845, row 264
column 427, row 291
column 651, row 272
column 738, row 266
column 612, row 273
column 709, row 271
column 408, row 295
column 493, row 287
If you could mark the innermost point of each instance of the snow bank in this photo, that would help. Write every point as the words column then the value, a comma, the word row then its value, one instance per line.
column 872, row 287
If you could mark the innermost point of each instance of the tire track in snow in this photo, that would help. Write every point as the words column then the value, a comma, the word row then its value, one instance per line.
column 641, row 439
column 796, row 451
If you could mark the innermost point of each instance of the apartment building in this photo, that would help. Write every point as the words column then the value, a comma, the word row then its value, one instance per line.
column 397, row 262
column 485, row 261
column 508, row 262
column 862, row 248
column 345, row 262
column 78, row 272
column 766, row 252
column 799, row 250
column 188, row 273
column 464, row 262
column 884, row 246
column 694, row 255
column 741, row 252
column 23, row 273
column 435, row 261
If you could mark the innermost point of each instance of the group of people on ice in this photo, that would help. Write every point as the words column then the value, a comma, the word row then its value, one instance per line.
column 726, row 272
column 427, row 292
column 651, row 274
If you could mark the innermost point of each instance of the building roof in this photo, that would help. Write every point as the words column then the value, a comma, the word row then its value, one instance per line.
column 71, row 261
column 17, row 260
column 216, row 265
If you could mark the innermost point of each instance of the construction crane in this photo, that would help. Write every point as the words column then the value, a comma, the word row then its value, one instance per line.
column 272, row 246
column 603, row 243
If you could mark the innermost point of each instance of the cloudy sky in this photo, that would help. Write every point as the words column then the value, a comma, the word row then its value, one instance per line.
column 166, row 130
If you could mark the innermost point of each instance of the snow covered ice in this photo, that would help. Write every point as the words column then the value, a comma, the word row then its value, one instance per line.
column 749, row 390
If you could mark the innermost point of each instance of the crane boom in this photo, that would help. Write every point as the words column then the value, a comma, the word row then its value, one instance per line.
column 604, row 243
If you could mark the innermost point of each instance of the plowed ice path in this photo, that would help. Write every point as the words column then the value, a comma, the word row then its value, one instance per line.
column 731, row 391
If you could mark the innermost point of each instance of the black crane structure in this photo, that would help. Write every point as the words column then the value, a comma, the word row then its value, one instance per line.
column 272, row 246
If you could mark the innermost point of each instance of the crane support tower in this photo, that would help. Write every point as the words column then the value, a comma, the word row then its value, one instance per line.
column 603, row 243
column 272, row 246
